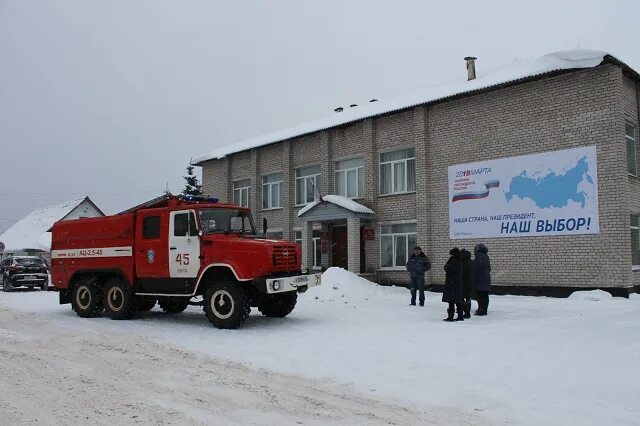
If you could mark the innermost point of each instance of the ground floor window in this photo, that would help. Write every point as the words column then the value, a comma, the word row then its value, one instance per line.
column 317, row 247
column 396, row 242
column 275, row 234
column 635, row 240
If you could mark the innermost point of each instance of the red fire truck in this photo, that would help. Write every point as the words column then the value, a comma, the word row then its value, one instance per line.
column 176, row 251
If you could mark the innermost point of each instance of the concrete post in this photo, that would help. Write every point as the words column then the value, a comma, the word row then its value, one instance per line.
column 353, row 244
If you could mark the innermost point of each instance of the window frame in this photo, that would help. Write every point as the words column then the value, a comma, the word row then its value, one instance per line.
column 359, row 170
column 394, row 240
column 145, row 236
column 269, row 186
column 240, row 190
column 317, row 247
column 634, row 225
column 393, row 164
column 315, row 177
column 631, row 139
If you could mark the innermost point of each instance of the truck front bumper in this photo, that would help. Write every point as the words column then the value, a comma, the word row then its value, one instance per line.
column 299, row 283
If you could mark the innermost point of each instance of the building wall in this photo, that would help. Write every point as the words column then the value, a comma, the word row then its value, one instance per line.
column 565, row 111
column 84, row 209
column 571, row 110
column 631, row 97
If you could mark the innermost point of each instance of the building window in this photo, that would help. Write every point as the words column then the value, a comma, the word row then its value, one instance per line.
column 635, row 240
column 630, row 136
column 151, row 227
column 350, row 178
column 241, row 192
column 272, row 191
column 307, row 185
column 275, row 234
column 397, row 172
column 396, row 243
column 317, row 247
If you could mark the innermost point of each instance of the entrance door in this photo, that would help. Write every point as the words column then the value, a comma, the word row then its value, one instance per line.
column 340, row 248
column 184, row 245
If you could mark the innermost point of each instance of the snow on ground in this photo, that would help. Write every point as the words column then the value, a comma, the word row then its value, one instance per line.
column 530, row 361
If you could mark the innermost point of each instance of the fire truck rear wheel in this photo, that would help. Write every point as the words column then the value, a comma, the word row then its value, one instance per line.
column 119, row 301
column 278, row 305
column 174, row 305
column 86, row 298
column 227, row 305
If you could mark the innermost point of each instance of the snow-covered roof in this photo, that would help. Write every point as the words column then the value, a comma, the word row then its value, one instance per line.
column 31, row 232
column 546, row 64
column 338, row 200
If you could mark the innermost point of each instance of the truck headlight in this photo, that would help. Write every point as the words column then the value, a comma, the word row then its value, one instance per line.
column 275, row 285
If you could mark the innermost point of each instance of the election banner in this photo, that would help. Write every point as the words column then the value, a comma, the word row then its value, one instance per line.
column 551, row 193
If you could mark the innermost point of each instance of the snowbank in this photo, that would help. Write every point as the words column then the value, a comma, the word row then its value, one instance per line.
column 341, row 285
column 592, row 295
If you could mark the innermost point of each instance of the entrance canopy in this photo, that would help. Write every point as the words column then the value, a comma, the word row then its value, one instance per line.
column 334, row 207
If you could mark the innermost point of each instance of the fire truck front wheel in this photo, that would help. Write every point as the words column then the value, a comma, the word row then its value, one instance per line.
column 86, row 298
column 226, row 304
column 119, row 301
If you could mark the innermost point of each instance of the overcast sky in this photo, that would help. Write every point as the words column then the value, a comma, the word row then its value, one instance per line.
column 112, row 99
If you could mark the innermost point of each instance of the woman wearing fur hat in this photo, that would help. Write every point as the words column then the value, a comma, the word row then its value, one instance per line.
column 452, row 293
column 482, row 278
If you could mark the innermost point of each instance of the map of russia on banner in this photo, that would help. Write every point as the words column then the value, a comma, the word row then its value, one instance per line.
column 551, row 193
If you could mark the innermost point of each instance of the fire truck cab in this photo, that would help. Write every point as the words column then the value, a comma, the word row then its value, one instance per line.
column 176, row 251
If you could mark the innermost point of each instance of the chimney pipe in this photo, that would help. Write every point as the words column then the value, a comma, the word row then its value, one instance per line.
column 471, row 67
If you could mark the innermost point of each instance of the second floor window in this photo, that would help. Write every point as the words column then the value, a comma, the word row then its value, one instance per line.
column 630, row 136
column 307, row 185
column 272, row 191
column 398, row 172
column 241, row 192
column 350, row 178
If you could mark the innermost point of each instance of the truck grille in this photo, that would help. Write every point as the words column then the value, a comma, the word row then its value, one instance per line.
column 285, row 257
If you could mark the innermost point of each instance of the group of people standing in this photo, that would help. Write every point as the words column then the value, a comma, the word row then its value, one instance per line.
column 466, row 278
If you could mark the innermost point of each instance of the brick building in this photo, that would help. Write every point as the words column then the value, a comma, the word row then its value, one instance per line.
column 387, row 164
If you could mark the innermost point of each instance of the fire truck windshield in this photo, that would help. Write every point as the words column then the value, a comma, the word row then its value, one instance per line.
column 226, row 220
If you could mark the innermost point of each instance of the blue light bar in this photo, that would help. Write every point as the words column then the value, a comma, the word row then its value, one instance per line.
column 200, row 198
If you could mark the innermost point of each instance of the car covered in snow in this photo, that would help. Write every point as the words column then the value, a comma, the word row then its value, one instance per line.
column 23, row 271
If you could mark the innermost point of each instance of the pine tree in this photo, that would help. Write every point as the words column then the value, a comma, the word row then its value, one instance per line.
column 192, row 186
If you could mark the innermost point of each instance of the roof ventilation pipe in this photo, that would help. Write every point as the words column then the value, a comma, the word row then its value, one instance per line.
column 471, row 67
column 353, row 105
column 339, row 109
column 373, row 100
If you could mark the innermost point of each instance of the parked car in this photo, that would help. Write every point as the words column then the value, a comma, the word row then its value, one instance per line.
column 23, row 271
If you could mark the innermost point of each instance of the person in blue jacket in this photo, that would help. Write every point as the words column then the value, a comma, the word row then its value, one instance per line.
column 417, row 265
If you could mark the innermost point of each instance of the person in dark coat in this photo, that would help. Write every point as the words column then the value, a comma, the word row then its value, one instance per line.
column 467, row 281
column 417, row 265
column 482, row 278
column 452, row 293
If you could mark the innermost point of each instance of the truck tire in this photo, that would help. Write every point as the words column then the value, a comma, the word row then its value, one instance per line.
column 144, row 305
column 226, row 305
column 86, row 298
column 119, row 301
column 44, row 286
column 173, row 305
column 278, row 305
